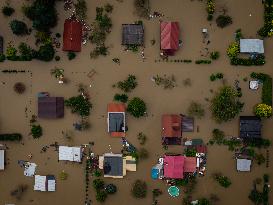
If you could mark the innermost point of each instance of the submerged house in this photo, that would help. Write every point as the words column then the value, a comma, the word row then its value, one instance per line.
column 250, row 127
column 132, row 34
column 72, row 35
column 174, row 167
column 171, row 129
column 50, row 107
column 115, row 165
column 116, row 119
column 72, row 154
column 251, row 46
column 45, row 183
column 169, row 37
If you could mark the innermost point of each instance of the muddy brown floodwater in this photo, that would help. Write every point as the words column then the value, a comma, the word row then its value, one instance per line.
column 192, row 18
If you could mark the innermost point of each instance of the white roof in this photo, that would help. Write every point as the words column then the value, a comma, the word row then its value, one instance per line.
column 254, row 84
column 72, row 154
column 243, row 165
column 30, row 169
column 251, row 46
column 51, row 185
column 40, row 183
column 2, row 159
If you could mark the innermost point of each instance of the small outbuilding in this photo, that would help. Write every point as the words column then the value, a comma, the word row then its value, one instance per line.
column 72, row 36
column 243, row 165
column 116, row 119
column 250, row 127
column 50, row 107
column 73, row 154
column 251, row 46
column 30, row 169
column 171, row 129
column 169, row 37
column 45, row 183
column 132, row 34
column 2, row 159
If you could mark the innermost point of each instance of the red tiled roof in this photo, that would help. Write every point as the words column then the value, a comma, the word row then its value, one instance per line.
column 116, row 107
column 171, row 126
column 201, row 148
column 169, row 35
column 117, row 134
column 190, row 164
column 174, row 167
column 72, row 36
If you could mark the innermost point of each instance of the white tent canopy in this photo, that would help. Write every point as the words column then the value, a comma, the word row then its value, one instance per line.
column 73, row 154
column 243, row 165
column 2, row 159
column 251, row 46
column 30, row 169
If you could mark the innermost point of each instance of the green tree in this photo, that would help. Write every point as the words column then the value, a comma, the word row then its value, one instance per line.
column 71, row 55
column 136, row 107
column 98, row 184
column 223, row 21
column 18, row 27
column 36, row 131
column 196, row 110
column 121, row 97
column 81, row 9
column 7, row 10
column 129, row 84
column 139, row 189
column 101, row 196
column 225, row 104
column 263, row 110
column 46, row 52
column 79, row 105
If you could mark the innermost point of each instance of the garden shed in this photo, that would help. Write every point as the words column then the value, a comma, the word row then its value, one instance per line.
column 250, row 127
column 116, row 119
column 243, row 165
column 72, row 35
column 169, row 37
column 251, row 46
column 50, row 107
column 132, row 34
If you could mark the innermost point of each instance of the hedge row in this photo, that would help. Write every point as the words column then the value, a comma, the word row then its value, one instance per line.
column 260, row 60
column 265, row 31
column 267, row 87
column 10, row 137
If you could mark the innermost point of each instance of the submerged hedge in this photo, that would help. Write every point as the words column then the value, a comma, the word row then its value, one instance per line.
column 267, row 87
column 10, row 137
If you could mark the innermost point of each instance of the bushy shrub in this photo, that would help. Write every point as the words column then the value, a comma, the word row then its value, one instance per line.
column 129, row 84
column 139, row 189
column 225, row 104
column 121, row 97
column 108, row 8
column 257, row 61
column 222, row 180
column 210, row 9
column 101, row 196
column 136, row 107
column 99, row 50
column 7, row 10
column 36, row 131
column 57, row 58
column 143, row 153
column 142, row 8
column 81, row 9
column 18, row 27
column 25, row 51
column 218, row 136
column 233, row 50
column 190, row 152
column 223, row 21
column 2, row 57
column 10, row 137
column 214, row 55
column 79, row 105
column 71, row 55
column 203, row 62
column 98, row 184
column 19, row 87
column 196, row 110
column 263, row 110
column 46, row 52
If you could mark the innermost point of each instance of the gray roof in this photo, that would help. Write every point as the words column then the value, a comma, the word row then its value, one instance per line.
column 187, row 124
column 113, row 165
column 50, row 107
column 116, row 122
column 251, row 46
column 243, row 165
column 250, row 127
column 132, row 34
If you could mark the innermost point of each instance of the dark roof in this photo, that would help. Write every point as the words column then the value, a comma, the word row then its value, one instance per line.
column 1, row 45
column 50, row 107
column 132, row 34
column 116, row 122
column 187, row 124
column 113, row 165
column 250, row 127
column 171, row 140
